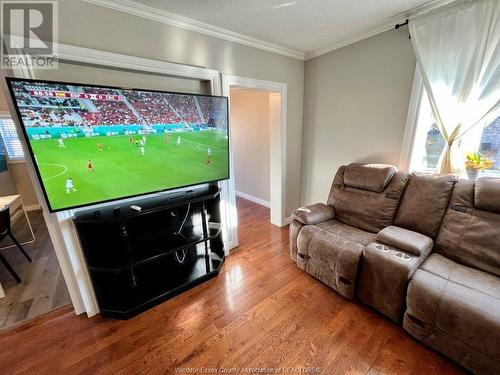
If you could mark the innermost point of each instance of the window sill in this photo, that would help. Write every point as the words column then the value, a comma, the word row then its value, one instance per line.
column 429, row 171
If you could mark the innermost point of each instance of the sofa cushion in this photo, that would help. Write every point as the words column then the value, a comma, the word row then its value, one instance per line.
column 371, row 177
column 468, row 277
column 364, row 209
column 468, row 235
column 406, row 240
column 448, row 303
column 487, row 194
column 424, row 203
column 351, row 233
column 314, row 213
column 331, row 251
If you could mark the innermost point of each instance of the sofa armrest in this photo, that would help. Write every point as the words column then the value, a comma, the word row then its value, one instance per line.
column 314, row 214
column 407, row 240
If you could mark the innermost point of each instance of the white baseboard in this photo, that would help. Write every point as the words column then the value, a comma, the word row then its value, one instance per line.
column 32, row 207
column 249, row 197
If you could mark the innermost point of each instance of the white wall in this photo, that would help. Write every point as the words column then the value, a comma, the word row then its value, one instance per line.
column 250, row 136
column 355, row 104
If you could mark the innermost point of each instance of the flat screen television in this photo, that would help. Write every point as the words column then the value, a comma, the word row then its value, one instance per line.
column 92, row 144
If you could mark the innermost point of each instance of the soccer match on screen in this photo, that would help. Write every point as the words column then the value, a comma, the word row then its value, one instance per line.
column 93, row 144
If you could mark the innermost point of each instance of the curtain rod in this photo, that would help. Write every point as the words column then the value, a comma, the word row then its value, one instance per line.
column 401, row 24
column 426, row 8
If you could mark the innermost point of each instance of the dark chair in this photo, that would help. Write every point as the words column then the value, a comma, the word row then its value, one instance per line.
column 4, row 232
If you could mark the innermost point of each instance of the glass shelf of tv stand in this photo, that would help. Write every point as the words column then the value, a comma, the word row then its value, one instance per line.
column 215, row 230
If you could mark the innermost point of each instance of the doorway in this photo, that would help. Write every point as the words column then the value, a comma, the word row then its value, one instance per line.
column 250, row 117
column 268, row 98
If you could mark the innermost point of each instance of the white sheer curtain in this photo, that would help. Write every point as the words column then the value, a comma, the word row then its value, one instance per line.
column 458, row 53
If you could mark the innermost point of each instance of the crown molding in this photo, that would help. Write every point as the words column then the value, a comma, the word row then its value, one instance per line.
column 140, row 10
column 386, row 25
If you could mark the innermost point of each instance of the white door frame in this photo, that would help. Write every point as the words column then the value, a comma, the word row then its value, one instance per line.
column 60, row 225
column 277, row 142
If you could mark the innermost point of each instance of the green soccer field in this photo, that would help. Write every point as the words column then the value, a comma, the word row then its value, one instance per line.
column 120, row 168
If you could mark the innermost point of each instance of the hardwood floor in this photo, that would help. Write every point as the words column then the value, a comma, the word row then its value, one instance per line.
column 43, row 288
column 262, row 311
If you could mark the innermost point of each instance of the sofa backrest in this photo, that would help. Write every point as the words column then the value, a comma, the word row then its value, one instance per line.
column 367, row 196
column 424, row 203
column 470, row 232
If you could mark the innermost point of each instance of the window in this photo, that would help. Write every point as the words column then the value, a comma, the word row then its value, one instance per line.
column 428, row 143
column 11, row 139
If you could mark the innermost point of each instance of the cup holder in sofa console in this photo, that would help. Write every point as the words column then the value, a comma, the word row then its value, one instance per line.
column 402, row 255
column 381, row 247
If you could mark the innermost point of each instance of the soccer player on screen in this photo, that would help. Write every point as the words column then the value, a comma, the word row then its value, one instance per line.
column 99, row 147
column 69, row 186
column 141, row 146
column 144, row 139
column 60, row 143
column 130, row 140
column 90, row 166
column 209, row 156
column 178, row 140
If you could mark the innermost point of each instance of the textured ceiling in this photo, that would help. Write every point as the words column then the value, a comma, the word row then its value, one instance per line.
column 303, row 25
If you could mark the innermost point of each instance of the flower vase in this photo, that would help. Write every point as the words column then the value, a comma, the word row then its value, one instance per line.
column 472, row 174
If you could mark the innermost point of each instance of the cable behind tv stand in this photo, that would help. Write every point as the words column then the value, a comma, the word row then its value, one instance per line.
column 137, row 259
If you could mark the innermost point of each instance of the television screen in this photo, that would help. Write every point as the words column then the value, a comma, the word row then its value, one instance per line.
column 91, row 144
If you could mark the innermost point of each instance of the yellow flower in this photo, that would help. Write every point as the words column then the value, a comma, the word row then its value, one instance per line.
column 477, row 161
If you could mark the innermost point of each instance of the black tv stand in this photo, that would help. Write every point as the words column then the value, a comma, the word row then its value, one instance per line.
column 139, row 259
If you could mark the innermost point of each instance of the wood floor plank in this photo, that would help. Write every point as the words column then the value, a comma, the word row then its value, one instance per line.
column 262, row 311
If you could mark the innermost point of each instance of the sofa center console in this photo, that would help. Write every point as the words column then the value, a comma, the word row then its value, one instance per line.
column 147, row 251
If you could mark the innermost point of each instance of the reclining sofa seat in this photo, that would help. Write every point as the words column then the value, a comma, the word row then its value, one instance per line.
column 388, row 263
column 327, row 240
column 453, row 300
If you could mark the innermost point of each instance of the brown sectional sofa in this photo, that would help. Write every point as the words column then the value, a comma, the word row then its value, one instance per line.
column 422, row 247
column 454, row 298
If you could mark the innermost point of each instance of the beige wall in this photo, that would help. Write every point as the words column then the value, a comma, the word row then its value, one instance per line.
column 355, row 101
column 7, row 185
column 85, row 25
column 3, row 103
column 112, row 31
column 23, row 184
column 250, row 139
column 355, row 104
column 123, row 78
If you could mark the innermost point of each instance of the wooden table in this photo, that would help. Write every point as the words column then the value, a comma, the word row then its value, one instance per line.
column 16, row 207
